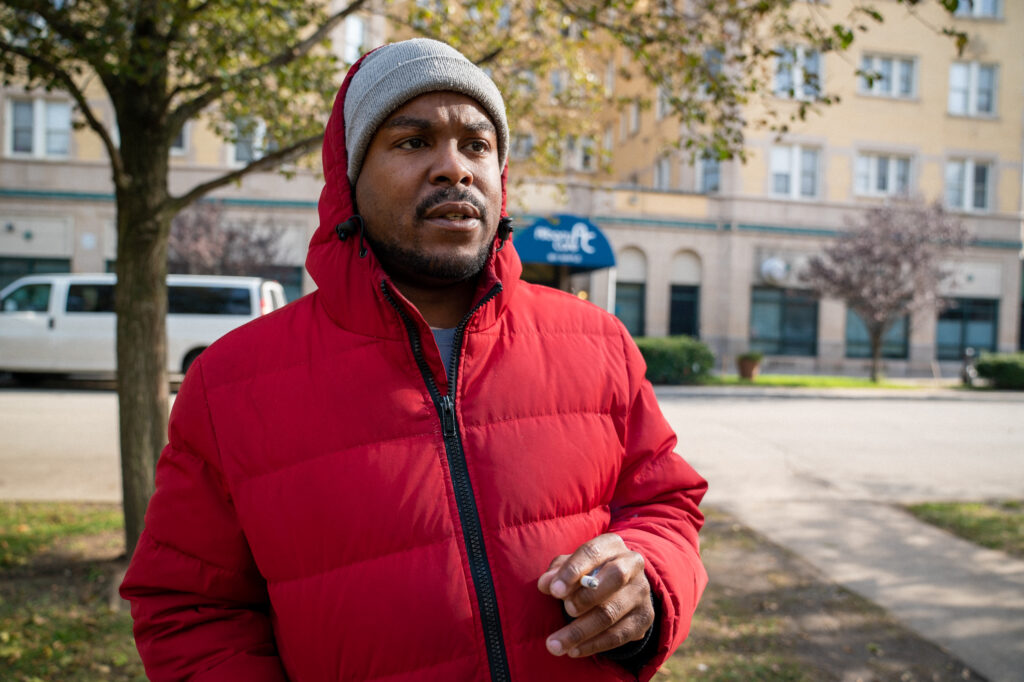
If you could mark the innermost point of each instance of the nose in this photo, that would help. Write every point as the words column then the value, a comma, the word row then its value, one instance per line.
column 450, row 166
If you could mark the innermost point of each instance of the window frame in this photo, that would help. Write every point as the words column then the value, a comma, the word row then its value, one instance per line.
column 40, row 108
column 875, row 88
column 970, row 107
column 965, row 306
column 788, row 299
column 895, row 341
column 973, row 10
column 892, row 174
column 795, row 171
column 967, row 191
column 702, row 174
column 797, row 73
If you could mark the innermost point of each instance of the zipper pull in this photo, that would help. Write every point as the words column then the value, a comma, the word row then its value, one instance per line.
column 448, row 415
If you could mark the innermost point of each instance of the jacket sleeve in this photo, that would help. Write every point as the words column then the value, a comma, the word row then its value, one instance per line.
column 199, row 604
column 655, row 511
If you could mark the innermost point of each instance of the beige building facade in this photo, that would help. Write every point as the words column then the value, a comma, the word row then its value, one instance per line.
column 711, row 249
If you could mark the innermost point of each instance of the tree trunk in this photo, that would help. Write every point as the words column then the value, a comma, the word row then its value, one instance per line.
column 143, row 226
column 876, row 354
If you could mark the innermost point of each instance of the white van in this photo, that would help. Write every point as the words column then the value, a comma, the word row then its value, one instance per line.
column 65, row 324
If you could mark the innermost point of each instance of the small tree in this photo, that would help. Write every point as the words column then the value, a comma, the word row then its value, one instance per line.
column 202, row 243
column 889, row 264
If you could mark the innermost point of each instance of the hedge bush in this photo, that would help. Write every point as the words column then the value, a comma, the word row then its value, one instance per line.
column 676, row 359
column 1004, row 370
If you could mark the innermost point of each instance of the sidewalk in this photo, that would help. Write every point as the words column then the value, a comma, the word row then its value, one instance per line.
column 964, row 598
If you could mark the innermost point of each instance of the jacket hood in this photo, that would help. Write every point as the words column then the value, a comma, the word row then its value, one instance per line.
column 342, row 274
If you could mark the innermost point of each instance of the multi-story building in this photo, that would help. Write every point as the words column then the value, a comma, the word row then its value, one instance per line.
column 708, row 248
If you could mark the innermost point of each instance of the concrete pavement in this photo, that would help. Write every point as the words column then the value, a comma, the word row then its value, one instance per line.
column 824, row 483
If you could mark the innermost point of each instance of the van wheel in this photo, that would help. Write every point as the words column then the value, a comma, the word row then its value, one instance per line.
column 190, row 358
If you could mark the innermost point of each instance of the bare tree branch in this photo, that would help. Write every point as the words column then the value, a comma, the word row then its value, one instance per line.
column 68, row 83
column 269, row 161
column 218, row 85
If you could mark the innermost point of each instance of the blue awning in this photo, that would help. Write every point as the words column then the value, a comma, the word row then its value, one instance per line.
column 564, row 240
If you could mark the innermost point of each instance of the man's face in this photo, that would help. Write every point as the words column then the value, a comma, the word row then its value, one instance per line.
column 430, row 190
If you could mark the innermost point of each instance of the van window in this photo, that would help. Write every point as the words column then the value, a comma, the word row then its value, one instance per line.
column 197, row 300
column 90, row 298
column 29, row 298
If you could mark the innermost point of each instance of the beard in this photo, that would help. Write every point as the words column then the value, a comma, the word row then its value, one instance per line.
column 404, row 259
column 398, row 258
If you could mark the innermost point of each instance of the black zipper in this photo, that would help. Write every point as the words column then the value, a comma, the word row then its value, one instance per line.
column 465, row 500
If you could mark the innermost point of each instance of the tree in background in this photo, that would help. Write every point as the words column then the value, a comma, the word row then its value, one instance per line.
column 202, row 243
column 234, row 62
column 890, row 263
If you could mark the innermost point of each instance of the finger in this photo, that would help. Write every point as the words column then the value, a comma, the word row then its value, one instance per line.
column 544, row 582
column 631, row 628
column 593, row 623
column 613, row 576
column 590, row 555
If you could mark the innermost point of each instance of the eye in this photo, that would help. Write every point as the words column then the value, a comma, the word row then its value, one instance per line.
column 412, row 143
column 479, row 146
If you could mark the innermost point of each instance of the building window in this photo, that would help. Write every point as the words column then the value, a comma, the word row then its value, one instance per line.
column 179, row 145
column 13, row 267
column 783, row 322
column 966, row 323
column 522, row 146
column 798, row 73
column 579, row 153
column 887, row 76
column 968, row 185
column 664, row 106
column 713, row 63
column 609, row 78
column 709, row 175
column 684, row 310
column 662, row 173
column 39, row 128
column 972, row 89
column 609, row 138
column 794, row 172
column 882, row 175
column 858, row 341
column 979, row 8
column 634, row 117
column 251, row 142
column 629, row 306
column 355, row 39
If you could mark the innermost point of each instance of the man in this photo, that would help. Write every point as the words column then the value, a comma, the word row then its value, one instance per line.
column 427, row 469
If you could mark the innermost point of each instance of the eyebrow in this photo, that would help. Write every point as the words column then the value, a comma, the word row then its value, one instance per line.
column 481, row 126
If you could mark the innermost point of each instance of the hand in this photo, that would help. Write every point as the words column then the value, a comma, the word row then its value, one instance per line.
column 617, row 611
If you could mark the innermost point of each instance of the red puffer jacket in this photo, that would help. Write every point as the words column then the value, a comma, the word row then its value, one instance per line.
column 333, row 506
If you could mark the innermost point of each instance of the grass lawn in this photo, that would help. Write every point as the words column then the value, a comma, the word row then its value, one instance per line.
column 806, row 381
column 766, row 614
column 998, row 525
column 58, row 566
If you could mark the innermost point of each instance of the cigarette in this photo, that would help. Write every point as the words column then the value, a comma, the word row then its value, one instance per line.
column 590, row 580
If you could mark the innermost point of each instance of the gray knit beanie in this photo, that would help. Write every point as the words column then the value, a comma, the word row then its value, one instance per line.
column 394, row 74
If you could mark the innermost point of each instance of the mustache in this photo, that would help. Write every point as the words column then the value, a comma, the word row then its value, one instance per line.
column 450, row 194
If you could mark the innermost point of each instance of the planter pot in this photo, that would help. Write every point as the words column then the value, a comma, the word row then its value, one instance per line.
column 749, row 369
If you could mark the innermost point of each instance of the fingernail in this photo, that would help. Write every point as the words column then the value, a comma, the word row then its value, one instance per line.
column 558, row 588
column 570, row 608
column 555, row 647
column 574, row 653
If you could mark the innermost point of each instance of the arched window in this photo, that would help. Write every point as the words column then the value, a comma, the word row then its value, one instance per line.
column 631, row 289
column 684, row 295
